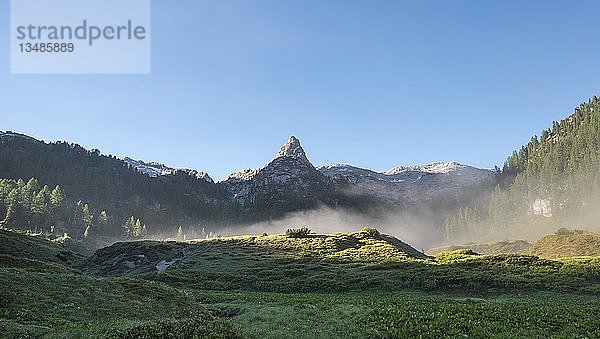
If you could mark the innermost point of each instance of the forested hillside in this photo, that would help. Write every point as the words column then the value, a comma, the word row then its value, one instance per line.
column 29, row 206
column 105, row 183
column 112, row 197
column 553, row 181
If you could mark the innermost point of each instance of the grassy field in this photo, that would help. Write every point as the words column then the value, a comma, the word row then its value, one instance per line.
column 65, row 305
column 413, row 314
column 352, row 285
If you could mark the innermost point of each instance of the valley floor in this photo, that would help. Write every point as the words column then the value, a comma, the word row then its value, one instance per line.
column 412, row 314
column 358, row 285
column 130, row 308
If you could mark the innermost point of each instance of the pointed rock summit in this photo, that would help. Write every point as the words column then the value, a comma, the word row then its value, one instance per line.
column 293, row 149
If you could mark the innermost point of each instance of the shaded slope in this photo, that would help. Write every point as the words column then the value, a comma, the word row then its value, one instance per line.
column 24, row 246
column 43, row 296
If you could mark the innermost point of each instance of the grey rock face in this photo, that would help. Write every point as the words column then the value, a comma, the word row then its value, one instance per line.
column 293, row 149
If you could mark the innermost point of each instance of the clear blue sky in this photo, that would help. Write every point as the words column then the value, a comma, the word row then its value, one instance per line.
column 370, row 83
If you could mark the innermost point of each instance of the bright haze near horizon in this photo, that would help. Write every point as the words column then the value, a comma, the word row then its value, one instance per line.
column 373, row 84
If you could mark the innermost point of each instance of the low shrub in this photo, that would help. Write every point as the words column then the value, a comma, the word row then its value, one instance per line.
column 566, row 231
column 297, row 232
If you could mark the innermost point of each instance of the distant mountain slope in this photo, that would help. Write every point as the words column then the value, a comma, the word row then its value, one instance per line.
column 416, row 184
column 290, row 182
column 155, row 169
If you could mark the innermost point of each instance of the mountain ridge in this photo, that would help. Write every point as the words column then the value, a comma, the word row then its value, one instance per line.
column 164, row 198
column 293, row 149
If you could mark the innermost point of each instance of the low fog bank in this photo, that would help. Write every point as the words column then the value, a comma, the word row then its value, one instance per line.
column 420, row 231
column 503, row 217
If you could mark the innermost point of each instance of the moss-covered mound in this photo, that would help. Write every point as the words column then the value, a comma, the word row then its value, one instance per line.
column 567, row 244
column 128, row 258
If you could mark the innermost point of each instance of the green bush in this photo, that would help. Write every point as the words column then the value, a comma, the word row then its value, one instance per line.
column 370, row 231
column 297, row 232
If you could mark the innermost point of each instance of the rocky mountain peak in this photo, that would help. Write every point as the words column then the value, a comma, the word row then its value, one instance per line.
column 293, row 149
